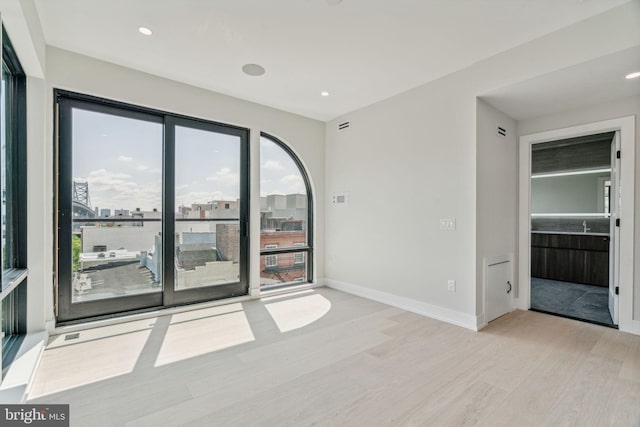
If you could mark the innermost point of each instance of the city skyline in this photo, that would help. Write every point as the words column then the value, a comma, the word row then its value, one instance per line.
column 121, row 160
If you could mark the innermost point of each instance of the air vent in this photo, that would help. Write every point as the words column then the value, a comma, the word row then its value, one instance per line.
column 72, row 336
column 502, row 131
column 343, row 125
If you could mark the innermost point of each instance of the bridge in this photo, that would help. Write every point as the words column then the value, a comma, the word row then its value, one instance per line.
column 81, row 201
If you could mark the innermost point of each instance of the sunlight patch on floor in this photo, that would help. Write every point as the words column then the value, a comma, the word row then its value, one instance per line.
column 298, row 312
column 74, row 365
column 85, row 335
column 192, row 334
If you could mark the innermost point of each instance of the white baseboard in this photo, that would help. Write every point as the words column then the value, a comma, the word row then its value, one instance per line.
column 428, row 310
column 480, row 322
column 635, row 327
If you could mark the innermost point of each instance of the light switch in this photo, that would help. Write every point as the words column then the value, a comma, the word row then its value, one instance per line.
column 448, row 224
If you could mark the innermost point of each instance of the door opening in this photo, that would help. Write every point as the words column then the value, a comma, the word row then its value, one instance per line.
column 574, row 252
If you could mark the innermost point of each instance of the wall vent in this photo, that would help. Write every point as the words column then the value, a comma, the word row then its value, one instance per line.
column 72, row 336
column 343, row 125
column 502, row 131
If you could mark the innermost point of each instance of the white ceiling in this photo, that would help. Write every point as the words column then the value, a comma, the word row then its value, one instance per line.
column 361, row 51
column 565, row 89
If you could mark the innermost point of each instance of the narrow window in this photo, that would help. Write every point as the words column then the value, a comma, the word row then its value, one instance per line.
column 271, row 261
column 285, row 216
column 13, row 181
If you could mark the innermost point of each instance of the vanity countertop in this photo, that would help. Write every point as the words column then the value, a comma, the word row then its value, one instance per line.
column 575, row 233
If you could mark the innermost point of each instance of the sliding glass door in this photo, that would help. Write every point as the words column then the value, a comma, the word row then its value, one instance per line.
column 151, row 209
column 209, row 195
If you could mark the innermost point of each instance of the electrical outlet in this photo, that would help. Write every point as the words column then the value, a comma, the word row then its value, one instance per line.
column 451, row 285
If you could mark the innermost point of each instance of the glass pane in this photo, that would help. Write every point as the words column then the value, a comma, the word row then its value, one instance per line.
column 7, row 316
column 207, row 203
column 7, row 259
column 283, row 198
column 283, row 268
column 117, row 199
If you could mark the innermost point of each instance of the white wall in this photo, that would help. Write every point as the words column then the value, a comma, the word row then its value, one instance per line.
column 620, row 108
column 496, row 220
column 39, row 226
column 21, row 21
column 416, row 149
column 419, row 149
column 66, row 70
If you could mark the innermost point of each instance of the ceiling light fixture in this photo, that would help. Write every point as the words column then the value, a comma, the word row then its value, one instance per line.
column 253, row 70
column 324, row 93
column 146, row 31
column 632, row 75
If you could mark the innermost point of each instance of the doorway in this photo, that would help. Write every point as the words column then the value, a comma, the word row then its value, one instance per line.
column 588, row 250
column 152, row 209
column 574, row 184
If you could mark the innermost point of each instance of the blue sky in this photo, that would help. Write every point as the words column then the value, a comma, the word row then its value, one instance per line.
column 121, row 159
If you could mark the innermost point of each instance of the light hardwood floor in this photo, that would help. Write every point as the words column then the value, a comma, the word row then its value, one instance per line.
column 322, row 357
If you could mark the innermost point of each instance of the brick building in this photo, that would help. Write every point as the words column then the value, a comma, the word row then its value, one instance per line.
column 288, row 267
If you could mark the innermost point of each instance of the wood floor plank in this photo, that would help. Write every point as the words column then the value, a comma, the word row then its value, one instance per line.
column 346, row 361
column 303, row 400
column 583, row 401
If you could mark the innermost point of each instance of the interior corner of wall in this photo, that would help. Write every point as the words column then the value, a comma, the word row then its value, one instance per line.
column 480, row 321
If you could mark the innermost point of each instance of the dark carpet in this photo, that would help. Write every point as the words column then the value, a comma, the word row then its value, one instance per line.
column 585, row 302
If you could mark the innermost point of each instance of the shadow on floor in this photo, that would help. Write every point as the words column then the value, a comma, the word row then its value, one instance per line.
column 574, row 300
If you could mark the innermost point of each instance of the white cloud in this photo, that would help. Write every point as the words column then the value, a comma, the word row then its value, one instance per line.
column 125, row 158
column 225, row 177
column 142, row 167
column 116, row 190
column 104, row 180
column 291, row 179
column 273, row 165
column 293, row 183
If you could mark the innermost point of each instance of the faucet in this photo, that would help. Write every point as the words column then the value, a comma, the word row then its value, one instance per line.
column 584, row 227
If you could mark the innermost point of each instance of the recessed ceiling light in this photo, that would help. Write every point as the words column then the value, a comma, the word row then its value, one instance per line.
column 253, row 69
column 324, row 93
column 633, row 75
column 146, row 31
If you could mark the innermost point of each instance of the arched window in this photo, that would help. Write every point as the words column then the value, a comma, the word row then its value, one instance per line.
column 286, row 216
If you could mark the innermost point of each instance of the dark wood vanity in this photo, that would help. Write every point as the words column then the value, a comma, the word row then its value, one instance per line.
column 579, row 258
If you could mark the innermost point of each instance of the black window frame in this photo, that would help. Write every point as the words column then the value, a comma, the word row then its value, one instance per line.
column 14, row 277
column 69, row 313
column 309, row 247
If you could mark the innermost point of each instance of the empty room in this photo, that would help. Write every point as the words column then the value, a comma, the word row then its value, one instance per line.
column 320, row 212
